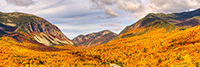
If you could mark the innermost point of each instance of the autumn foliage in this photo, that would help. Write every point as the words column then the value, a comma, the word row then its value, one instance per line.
column 157, row 47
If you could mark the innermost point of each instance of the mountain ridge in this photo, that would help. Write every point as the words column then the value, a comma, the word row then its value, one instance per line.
column 180, row 20
column 94, row 39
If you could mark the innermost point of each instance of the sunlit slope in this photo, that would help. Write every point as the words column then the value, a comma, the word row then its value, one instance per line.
column 158, row 47
column 155, row 48
column 15, row 54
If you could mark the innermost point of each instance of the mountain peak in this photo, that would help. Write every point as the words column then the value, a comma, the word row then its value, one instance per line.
column 94, row 39
column 80, row 35
column 104, row 32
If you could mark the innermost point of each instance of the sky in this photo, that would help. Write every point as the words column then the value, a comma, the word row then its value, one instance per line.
column 75, row 17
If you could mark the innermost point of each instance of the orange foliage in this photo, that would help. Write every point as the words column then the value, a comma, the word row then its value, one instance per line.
column 154, row 48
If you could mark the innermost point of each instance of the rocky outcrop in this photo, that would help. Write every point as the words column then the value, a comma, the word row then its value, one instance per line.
column 41, row 25
column 49, row 39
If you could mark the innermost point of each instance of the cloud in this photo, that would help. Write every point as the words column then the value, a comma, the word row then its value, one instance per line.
column 118, row 21
column 139, row 8
column 21, row 2
column 99, row 17
column 125, row 5
column 77, row 27
column 109, row 11
column 134, row 6
column 96, row 4
column 115, row 29
column 173, row 5
column 108, row 2
column 77, row 17
column 101, row 4
column 71, row 9
column 110, row 24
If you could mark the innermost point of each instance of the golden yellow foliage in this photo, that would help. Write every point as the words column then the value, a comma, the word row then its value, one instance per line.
column 154, row 48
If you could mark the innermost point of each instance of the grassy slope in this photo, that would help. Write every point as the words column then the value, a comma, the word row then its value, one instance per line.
column 17, row 54
column 154, row 48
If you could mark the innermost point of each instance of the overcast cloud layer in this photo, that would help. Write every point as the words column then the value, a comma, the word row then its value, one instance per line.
column 75, row 17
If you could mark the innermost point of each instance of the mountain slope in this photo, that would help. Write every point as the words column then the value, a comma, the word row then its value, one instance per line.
column 155, row 48
column 38, row 28
column 178, row 48
column 174, row 21
column 94, row 39
column 147, row 24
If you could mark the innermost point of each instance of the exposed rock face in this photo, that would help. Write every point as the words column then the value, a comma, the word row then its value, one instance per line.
column 37, row 27
column 79, row 39
column 94, row 39
column 41, row 25
column 49, row 39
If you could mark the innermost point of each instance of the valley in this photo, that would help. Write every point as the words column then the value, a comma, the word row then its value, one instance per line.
column 156, row 40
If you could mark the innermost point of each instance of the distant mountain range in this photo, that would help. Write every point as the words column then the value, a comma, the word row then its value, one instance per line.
column 30, row 28
column 94, row 39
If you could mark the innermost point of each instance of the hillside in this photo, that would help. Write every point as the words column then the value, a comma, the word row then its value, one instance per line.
column 155, row 48
column 147, row 24
column 94, row 39
column 38, row 28
column 153, row 41
column 175, row 21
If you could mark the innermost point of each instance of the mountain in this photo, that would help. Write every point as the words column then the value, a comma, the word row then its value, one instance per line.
column 148, row 23
column 94, row 39
column 155, row 48
column 171, row 21
column 16, row 25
